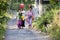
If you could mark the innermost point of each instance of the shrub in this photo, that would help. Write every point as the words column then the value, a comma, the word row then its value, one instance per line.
column 54, row 32
column 53, row 1
column 3, row 17
column 48, row 16
column 45, row 19
column 2, row 31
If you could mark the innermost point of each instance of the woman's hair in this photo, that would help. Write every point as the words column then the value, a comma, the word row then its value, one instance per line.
column 30, row 6
column 18, row 10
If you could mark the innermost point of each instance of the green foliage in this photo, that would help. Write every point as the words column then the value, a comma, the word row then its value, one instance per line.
column 2, row 31
column 54, row 32
column 28, row 2
column 48, row 18
column 45, row 19
column 15, row 6
column 3, row 9
column 43, row 29
column 3, row 5
column 52, row 6
column 53, row 1
column 3, row 17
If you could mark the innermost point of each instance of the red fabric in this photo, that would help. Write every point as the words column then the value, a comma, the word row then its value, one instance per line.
column 21, row 5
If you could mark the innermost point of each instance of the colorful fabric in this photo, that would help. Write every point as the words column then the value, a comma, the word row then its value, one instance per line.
column 30, row 13
column 22, row 17
column 23, row 23
column 19, row 23
column 19, row 15
column 29, row 19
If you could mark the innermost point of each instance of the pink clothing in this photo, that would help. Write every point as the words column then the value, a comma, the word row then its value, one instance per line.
column 30, row 14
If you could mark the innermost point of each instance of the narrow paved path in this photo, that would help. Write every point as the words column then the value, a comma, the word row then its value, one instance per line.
column 24, row 34
column 13, row 33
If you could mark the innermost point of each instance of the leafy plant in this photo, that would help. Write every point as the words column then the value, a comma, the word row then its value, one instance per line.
column 54, row 32
column 2, row 31
column 3, row 17
column 53, row 1
column 45, row 19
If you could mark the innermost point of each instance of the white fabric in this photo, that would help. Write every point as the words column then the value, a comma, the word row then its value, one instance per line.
column 35, row 11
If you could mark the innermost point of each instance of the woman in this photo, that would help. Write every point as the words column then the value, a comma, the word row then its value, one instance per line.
column 30, row 15
column 21, row 15
column 23, row 18
column 19, row 22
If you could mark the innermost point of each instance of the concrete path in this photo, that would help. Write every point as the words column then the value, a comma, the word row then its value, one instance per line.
column 13, row 33
column 24, row 34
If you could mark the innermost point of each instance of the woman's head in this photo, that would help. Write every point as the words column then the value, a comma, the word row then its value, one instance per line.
column 18, row 10
column 22, row 6
column 30, row 7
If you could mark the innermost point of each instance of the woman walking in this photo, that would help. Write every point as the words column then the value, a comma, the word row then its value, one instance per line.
column 19, row 21
column 21, row 15
column 30, row 16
